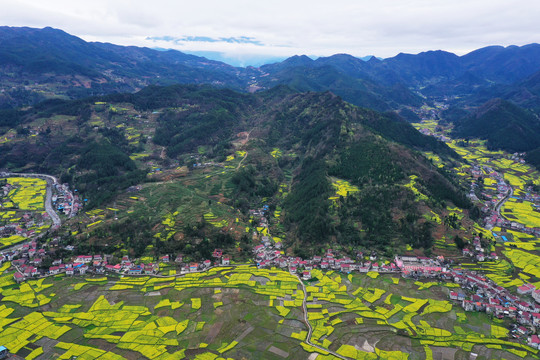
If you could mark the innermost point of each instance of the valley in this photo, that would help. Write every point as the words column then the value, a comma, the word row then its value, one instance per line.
column 364, row 306
column 161, row 205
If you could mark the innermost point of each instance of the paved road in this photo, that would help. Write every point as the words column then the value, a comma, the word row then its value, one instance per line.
column 503, row 200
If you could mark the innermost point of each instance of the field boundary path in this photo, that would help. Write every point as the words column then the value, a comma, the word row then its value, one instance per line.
column 310, row 328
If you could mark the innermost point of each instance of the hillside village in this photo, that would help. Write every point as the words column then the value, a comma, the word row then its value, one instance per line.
column 473, row 292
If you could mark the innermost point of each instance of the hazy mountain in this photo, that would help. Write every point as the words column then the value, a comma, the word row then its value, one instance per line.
column 41, row 63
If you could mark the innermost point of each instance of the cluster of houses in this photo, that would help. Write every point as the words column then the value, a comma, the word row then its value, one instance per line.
column 29, row 258
column 493, row 217
column 26, row 226
column 486, row 296
column 64, row 201
column 267, row 256
column 476, row 251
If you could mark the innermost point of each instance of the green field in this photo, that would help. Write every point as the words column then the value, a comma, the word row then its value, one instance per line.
column 242, row 312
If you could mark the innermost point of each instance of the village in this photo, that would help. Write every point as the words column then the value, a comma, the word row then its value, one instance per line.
column 473, row 292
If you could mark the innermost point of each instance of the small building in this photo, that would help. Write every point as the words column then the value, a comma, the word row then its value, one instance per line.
column 83, row 259
column 136, row 270
column 83, row 269
column 3, row 352
column 18, row 277
column 534, row 341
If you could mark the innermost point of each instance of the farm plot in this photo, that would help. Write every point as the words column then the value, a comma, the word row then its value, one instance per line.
column 343, row 314
column 28, row 193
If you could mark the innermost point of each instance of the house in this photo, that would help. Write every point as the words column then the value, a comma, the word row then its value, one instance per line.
column 4, row 353
column 324, row 265
column 164, row 258
column 111, row 268
column 57, row 262
column 125, row 259
column 150, row 269
column 306, row 275
column 29, row 271
column 525, row 289
column 217, row 253
column 536, row 319
column 135, row 270
column 18, row 262
column 522, row 330
column 525, row 318
column 523, row 306
column 292, row 269
column 83, row 269
column 346, row 268
column 207, row 263
column 225, row 260
column 193, row 267
column 53, row 270
column 534, row 341
column 18, row 277
column 69, row 271
column 83, row 259
column 179, row 258
column 468, row 305
column 453, row 295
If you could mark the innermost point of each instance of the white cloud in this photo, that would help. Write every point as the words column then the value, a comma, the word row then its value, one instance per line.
column 357, row 27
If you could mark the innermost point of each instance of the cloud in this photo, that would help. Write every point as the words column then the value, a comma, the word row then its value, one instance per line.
column 184, row 39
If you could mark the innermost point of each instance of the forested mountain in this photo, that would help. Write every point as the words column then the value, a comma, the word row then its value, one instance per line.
column 503, row 124
column 305, row 142
column 41, row 63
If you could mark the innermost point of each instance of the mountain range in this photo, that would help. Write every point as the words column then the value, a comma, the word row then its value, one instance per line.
column 63, row 64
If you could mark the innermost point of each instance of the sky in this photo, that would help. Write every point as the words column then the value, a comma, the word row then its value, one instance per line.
column 252, row 32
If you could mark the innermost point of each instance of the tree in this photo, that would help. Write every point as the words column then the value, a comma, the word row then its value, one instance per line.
column 460, row 243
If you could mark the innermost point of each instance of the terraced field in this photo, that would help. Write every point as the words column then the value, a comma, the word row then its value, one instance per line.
column 242, row 312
